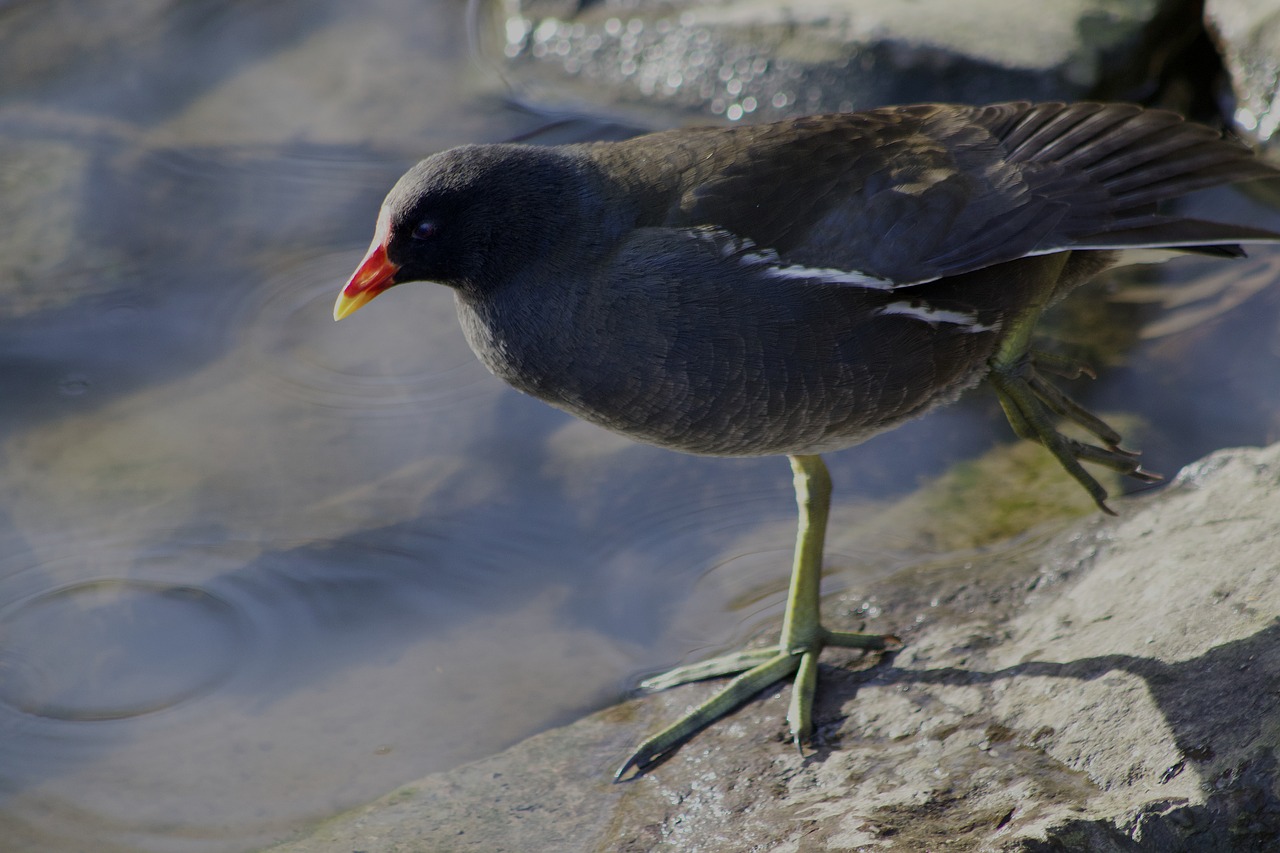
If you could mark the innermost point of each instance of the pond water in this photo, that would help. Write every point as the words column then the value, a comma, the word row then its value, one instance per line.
column 256, row 567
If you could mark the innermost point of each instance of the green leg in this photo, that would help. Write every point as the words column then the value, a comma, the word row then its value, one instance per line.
column 801, row 626
column 803, row 637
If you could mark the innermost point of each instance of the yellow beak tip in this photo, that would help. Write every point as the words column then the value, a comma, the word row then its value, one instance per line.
column 348, row 305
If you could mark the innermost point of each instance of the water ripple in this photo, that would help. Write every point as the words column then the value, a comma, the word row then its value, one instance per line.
column 405, row 357
column 113, row 648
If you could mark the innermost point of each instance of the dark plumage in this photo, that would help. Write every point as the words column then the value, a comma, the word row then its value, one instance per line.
column 794, row 288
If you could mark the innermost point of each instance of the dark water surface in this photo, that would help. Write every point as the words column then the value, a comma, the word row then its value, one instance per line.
column 256, row 567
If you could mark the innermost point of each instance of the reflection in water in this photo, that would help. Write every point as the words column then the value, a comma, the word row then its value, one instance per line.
column 410, row 369
column 256, row 568
column 248, row 576
column 311, row 673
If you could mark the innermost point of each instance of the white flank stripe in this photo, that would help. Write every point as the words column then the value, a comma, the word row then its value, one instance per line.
column 934, row 316
column 748, row 254
column 833, row 276
column 761, row 256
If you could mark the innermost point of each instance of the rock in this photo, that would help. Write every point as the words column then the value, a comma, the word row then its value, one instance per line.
column 1107, row 687
column 746, row 56
column 1247, row 33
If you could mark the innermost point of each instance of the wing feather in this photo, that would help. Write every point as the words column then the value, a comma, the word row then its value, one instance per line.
column 912, row 194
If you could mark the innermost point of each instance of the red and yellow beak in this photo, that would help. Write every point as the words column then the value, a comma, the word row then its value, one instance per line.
column 375, row 274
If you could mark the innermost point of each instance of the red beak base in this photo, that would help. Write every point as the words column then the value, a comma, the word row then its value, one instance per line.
column 375, row 274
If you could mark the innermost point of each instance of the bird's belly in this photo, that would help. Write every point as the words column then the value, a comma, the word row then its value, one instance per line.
column 780, row 388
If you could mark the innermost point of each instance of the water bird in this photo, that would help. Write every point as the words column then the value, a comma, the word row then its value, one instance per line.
column 794, row 288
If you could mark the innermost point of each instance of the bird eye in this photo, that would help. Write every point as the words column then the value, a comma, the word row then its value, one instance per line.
column 425, row 230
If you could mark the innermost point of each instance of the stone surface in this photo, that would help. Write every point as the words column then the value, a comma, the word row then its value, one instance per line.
column 1111, row 686
column 1247, row 33
column 749, row 56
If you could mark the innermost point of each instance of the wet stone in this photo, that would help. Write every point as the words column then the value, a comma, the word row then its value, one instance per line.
column 740, row 60
column 1247, row 34
column 1060, row 732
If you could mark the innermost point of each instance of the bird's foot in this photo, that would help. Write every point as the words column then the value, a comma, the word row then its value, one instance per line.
column 1030, row 403
column 759, row 669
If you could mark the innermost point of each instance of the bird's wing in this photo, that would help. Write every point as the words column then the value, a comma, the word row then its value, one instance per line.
column 909, row 195
column 725, row 265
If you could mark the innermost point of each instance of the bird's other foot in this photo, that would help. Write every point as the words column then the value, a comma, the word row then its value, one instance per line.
column 1031, row 402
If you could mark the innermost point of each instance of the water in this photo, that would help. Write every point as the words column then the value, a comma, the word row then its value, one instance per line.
column 256, row 567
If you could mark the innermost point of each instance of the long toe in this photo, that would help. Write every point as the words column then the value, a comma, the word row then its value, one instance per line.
column 1031, row 402
column 759, row 668
column 735, row 693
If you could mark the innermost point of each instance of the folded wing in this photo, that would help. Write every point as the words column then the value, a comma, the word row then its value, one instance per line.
column 912, row 195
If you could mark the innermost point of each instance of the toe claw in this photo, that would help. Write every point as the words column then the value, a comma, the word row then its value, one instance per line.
column 1146, row 476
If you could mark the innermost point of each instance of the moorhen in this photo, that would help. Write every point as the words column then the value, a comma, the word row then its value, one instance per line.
column 797, row 287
